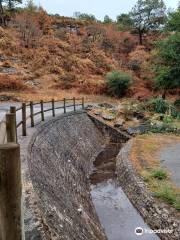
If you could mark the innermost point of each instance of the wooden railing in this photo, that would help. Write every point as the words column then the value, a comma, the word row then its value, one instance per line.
column 11, row 227
column 65, row 104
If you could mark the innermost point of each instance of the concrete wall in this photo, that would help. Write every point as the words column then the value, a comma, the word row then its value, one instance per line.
column 61, row 156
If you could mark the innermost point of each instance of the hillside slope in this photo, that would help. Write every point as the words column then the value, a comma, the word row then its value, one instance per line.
column 45, row 57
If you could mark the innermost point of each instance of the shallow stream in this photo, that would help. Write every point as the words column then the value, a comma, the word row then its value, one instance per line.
column 116, row 213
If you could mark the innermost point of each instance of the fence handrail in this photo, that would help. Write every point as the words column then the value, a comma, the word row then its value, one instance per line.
column 66, row 103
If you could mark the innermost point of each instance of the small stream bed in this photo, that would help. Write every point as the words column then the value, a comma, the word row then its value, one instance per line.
column 116, row 213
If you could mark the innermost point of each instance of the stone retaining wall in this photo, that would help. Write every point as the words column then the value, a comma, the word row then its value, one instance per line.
column 61, row 155
column 156, row 214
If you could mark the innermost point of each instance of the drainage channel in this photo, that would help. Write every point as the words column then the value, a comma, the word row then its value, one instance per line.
column 117, row 215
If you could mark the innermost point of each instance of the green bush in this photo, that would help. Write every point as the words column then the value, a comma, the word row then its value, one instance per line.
column 161, row 106
column 159, row 174
column 158, row 105
column 118, row 82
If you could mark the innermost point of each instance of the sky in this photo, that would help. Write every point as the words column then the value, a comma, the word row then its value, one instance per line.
column 99, row 8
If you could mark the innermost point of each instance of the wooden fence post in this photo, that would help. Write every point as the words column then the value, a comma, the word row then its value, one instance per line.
column 11, row 192
column 13, row 110
column 64, row 105
column 32, row 113
column 42, row 110
column 83, row 103
column 11, row 127
column 24, row 133
column 53, row 108
column 74, row 104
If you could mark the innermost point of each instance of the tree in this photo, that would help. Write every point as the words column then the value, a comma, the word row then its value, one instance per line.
column 107, row 19
column 148, row 15
column 85, row 16
column 6, row 4
column 12, row 3
column 173, row 23
column 167, row 67
column 124, row 21
column 30, row 6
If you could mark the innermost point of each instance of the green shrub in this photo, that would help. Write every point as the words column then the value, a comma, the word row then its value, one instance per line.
column 118, row 82
column 159, row 174
column 158, row 105
column 161, row 106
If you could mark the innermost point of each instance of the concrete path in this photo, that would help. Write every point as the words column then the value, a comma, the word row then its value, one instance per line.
column 170, row 159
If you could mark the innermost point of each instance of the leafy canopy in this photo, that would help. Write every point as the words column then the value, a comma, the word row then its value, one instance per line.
column 148, row 15
column 168, row 68
column 124, row 21
column 174, row 21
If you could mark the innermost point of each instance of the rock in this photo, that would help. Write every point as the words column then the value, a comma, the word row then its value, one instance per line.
column 119, row 123
column 137, row 130
column 105, row 105
column 32, row 82
column 2, row 58
column 97, row 112
column 89, row 107
column 5, row 98
column 8, row 70
column 108, row 117
column 138, row 115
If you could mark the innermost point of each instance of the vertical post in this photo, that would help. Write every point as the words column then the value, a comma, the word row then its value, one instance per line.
column 83, row 103
column 32, row 113
column 13, row 110
column 53, row 108
column 42, row 110
column 74, row 104
column 11, row 127
column 11, row 192
column 24, row 119
column 64, row 105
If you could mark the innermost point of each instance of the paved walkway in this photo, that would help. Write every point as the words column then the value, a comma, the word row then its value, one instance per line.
column 170, row 159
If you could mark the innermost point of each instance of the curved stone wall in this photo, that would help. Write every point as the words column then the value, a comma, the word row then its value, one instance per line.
column 61, row 155
column 154, row 212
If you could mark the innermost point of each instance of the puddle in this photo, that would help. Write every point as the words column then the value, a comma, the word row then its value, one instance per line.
column 117, row 215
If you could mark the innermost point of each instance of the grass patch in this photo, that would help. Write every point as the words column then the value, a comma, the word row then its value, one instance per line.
column 168, row 194
column 161, row 186
column 160, row 174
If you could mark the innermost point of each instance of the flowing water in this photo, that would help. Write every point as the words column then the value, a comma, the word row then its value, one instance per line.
column 116, row 213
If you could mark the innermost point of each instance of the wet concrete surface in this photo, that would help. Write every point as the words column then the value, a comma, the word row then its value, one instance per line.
column 170, row 159
column 116, row 213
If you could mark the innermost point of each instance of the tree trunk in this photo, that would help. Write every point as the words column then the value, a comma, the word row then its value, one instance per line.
column 2, row 18
column 164, row 94
column 140, row 37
